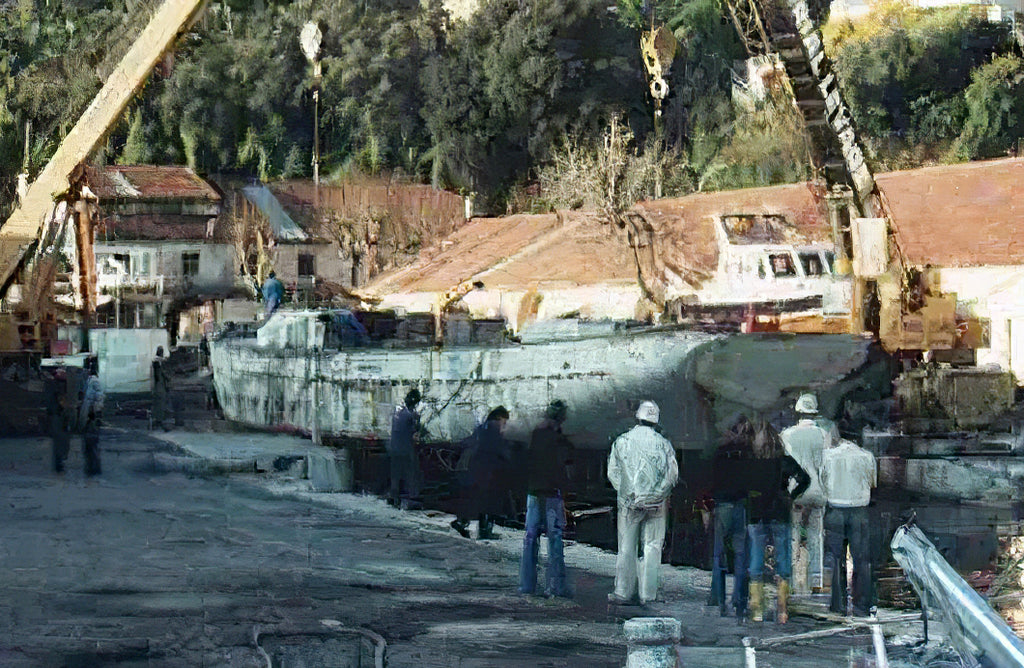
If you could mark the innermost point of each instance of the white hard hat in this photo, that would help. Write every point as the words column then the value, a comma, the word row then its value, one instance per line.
column 648, row 412
column 807, row 403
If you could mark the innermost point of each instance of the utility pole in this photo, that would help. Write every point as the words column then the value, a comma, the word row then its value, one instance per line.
column 309, row 40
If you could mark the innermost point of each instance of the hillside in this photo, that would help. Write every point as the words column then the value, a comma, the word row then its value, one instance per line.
column 490, row 102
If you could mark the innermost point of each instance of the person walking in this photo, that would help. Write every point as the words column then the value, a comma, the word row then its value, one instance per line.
column 729, row 516
column 805, row 442
column 642, row 468
column 848, row 474
column 548, row 459
column 89, row 415
column 402, row 455
column 57, row 418
column 273, row 293
column 160, row 381
column 769, row 476
column 483, row 488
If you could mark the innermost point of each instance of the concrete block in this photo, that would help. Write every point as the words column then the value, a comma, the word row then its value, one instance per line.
column 651, row 642
column 330, row 471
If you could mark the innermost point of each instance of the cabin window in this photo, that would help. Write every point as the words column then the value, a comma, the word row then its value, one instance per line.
column 812, row 264
column 190, row 264
column 144, row 264
column 782, row 264
column 306, row 266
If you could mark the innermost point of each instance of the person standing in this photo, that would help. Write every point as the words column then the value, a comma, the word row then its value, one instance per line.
column 848, row 474
column 805, row 442
column 161, row 387
column 483, row 489
column 57, row 418
column 89, row 415
column 642, row 468
column 549, row 456
column 402, row 456
column 273, row 293
column 729, row 517
column 769, row 476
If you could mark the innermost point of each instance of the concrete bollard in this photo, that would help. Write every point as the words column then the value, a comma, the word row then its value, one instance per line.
column 651, row 642
column 330, row 471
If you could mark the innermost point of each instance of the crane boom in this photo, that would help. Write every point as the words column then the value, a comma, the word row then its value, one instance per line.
column 23, row 227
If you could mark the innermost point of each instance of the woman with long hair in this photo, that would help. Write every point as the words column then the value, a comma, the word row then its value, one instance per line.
column 769, row 502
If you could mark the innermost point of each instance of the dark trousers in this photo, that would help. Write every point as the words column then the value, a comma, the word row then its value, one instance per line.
column 849, row 526
column 60, row 440
column 91, row 447
column 404, row 469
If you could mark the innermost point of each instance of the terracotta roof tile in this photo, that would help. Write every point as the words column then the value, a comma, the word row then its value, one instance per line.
column 962, row 215
column 149, row 182
column 473, row 248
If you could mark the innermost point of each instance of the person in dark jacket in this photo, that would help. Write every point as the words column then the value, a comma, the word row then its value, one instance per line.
column 401, row 449
column 549, row 457
column 57, row 418
column 161, row 385
column 767, row 479
column 729, row 517
column 483, row 489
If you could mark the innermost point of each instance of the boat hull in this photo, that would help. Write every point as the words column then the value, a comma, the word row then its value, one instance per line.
column 354, row 393
column 701, row 381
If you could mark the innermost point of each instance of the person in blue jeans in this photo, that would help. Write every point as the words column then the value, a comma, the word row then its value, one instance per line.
column 548, row 459
column 729, row 490
column 769, row 504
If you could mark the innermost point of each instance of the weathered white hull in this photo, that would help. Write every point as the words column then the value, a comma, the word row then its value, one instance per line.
column 354, row 392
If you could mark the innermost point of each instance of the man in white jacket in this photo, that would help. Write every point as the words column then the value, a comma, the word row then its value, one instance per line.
column 806, row 442
column 643, row 470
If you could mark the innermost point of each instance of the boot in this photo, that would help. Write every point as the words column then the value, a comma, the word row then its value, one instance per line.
column 462, row 526
column 783, row 615
column 486, row 531
column 756, row 602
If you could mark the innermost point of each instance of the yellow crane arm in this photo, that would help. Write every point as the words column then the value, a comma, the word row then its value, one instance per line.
column 23, row 227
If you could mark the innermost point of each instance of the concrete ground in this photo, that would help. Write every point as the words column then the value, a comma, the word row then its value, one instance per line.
column 180, row 555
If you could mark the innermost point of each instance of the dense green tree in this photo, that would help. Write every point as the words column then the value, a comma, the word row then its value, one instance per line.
column 904, row 72
column 486, row 103
column 995, row 109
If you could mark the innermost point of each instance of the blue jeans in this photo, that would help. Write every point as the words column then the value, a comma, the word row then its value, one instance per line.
column 730, row 523
column 758, row 534
column 544, row 514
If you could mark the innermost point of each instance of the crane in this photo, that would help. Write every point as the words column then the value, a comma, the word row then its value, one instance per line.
column 20, row 234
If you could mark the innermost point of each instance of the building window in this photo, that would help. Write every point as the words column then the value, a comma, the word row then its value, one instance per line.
column 812, row 264
column 306, row 264
column 190, row 264
column 782, row 264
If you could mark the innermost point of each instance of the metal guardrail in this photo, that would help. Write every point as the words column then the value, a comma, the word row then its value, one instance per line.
column 975, row 629
column 751, row 645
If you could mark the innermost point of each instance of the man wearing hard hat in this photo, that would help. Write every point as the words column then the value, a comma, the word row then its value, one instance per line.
column 806, row 442
column 643, row 470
